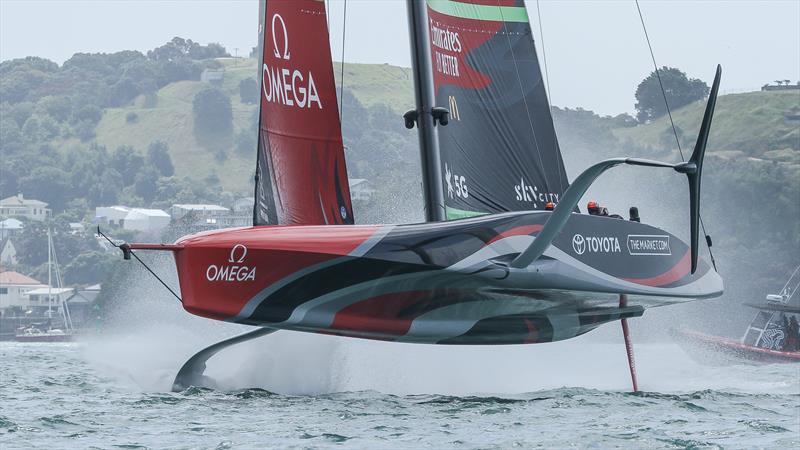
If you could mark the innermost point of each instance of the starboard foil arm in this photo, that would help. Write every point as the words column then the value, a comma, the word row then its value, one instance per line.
column 692, row 169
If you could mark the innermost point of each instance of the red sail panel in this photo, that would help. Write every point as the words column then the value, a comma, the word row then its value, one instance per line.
column 302, row 176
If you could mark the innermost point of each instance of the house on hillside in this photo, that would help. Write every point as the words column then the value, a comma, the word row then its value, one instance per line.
column 781, row 85
column 136, row 219
column 47, row 298
column 242, row 214
column 141, row 219
column 81, row 303
column 201, row 213
column 8, row 253
column 360, row 189
column 212, row 75
column 14, row 288
column 111, row 215
column 10, row 227
column 19, row 206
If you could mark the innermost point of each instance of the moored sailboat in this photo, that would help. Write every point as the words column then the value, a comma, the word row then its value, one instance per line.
column 45, row 332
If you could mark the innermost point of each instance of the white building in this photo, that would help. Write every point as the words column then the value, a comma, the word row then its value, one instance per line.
column 137, row 219
column 141, row 219
column 212, row 75
column 111, row 215
column 244, row 206
column 202, row 213
column 19, row 206
column 44, row 297
column 360, row 189
column 9, row 227
column 14, row 288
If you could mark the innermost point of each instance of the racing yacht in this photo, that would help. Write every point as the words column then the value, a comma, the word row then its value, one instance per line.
column 491, row 265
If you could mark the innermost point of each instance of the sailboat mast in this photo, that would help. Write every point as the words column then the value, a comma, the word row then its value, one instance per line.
column 425, row 97
column 49, row 274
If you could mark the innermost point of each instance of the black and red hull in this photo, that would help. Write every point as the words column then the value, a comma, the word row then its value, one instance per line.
column 699, row 345
column 437, row 283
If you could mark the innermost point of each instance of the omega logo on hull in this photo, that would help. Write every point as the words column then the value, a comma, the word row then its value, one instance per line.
column 234, row 271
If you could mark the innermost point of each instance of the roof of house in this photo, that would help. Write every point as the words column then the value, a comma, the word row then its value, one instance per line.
column 199, row 207
column 19, row 200
column 48, row 291
column 83, row 296
column 136, row 213
column 11, row 277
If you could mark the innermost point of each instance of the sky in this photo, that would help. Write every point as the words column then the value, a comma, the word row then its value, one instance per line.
column 596, row 50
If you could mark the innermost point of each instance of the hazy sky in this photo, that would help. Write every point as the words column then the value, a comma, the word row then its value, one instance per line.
column 596, row 51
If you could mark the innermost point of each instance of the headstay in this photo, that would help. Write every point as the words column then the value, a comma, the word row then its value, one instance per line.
column 301, row 176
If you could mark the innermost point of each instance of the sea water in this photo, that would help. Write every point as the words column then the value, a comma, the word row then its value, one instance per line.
column 292, row 390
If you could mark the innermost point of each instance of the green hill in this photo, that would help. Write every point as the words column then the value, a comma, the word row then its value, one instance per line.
column 745, row 125
column 750, row 124
column 171, row 120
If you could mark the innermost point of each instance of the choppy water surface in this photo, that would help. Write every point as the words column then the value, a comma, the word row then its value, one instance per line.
column 113, row 393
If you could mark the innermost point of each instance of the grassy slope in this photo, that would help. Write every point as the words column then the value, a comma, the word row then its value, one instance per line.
column 171, row 121
column 750, row 124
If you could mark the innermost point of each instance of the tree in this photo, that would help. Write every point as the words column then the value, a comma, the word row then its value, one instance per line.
column 248, row 91
column 158, row 157
column 49, row 184
column 127, row 162
column 212, row 112
column 145, row 184
column 680, row 91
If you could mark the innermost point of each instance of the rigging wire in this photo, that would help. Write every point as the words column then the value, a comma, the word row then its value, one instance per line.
column 544, row 52
column 658, row 75
column 522, row 91
column 674, row 131
column 341, row 77
column 549, row 95
column 126, row 250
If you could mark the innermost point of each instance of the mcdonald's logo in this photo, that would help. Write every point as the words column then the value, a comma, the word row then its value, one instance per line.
column 454, row 108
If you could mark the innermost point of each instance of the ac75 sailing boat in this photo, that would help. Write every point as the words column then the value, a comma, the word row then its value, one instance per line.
column 507, row 272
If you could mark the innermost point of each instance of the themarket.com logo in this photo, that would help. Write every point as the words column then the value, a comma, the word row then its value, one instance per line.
column 645, row 244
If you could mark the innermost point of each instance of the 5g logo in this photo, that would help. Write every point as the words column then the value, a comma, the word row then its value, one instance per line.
column 456, row 184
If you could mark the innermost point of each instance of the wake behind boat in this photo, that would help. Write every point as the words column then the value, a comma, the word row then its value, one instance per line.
column 773, row 335
column 521, row 265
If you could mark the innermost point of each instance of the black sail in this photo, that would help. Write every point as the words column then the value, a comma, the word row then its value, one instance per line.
column 499, row 151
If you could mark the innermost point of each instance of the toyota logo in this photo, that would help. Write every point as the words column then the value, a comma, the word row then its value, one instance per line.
column 578, row 244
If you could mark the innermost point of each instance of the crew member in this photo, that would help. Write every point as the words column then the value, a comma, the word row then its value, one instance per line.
column 595, row 209
column 549, row 206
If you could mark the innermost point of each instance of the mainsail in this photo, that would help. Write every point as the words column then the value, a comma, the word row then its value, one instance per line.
column 499, row 151
column 301, row 176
